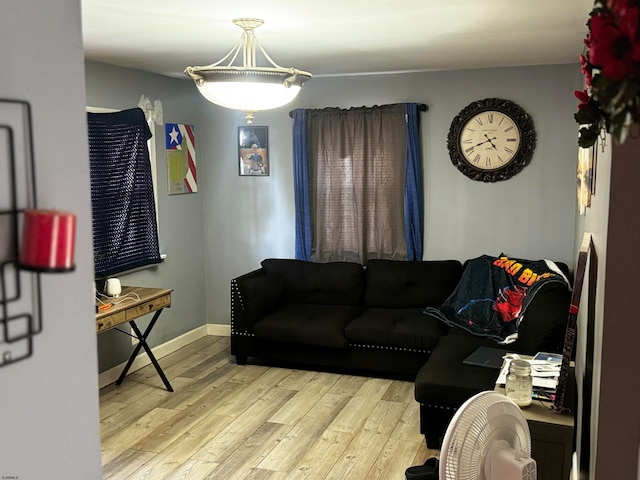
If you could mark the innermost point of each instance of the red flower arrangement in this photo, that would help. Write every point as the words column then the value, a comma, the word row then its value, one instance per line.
column 611, row 67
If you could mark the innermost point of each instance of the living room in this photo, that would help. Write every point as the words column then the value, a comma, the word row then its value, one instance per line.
column 233, row 223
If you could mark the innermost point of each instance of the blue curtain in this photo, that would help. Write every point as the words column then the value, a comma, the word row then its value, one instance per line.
column 125, row 233
column 413, row 199
column 301, row 186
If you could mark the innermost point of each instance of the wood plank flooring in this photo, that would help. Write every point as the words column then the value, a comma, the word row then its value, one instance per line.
column 227, row 422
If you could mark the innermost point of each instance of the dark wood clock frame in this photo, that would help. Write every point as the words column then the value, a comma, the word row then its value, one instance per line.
column 525, row 150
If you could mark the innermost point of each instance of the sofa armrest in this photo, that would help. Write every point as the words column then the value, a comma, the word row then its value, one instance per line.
column 545, row 321
column 253, row 296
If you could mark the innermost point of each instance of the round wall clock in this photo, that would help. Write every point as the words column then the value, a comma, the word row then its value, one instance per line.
column 491, row 140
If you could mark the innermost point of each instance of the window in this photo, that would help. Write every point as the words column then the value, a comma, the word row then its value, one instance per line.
column 151, row 145
column 358, row 184
column 122, row 192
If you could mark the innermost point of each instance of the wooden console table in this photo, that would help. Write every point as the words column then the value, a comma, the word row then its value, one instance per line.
column 133, row 303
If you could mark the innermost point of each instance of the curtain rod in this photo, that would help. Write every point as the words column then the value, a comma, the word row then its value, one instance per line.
column 421, row 107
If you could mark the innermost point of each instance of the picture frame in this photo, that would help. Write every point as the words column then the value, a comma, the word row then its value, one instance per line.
column 253, row 151
column 585, row 257
column 594, row 164
column 585, row 178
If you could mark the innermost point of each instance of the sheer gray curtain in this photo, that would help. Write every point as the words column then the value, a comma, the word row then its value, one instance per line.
column 357, row 167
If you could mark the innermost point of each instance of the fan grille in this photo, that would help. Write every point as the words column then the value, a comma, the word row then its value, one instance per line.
column 482, row 420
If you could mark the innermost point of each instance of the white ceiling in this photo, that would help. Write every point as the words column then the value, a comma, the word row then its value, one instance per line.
column 338, row 37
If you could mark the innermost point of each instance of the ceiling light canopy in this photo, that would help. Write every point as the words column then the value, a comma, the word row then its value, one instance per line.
column 248, row 87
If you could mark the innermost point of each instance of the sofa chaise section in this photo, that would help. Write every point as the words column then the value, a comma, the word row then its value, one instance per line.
column 444, row 383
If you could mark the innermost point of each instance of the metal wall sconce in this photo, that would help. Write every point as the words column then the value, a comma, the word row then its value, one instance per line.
column 48, row 237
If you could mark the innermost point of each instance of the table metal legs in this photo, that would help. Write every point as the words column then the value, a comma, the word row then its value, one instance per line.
column 142, row 343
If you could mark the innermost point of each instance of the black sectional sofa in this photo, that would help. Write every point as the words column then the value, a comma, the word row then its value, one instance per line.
column 370, row 319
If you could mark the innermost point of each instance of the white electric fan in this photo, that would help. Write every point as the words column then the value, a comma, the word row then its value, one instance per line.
column 487, row 439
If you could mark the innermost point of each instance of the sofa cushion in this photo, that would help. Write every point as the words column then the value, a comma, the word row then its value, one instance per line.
column 402, row 328
column 403, row 284
column 321, row 325
column 260, row 296
column 333, row 283
column 445, row 381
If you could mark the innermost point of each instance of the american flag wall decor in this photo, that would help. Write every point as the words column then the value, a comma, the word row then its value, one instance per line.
column 181, row 158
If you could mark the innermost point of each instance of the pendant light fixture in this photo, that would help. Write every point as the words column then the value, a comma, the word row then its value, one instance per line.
column 248, row 87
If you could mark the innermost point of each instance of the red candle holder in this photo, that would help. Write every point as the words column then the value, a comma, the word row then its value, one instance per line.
column 48, row 241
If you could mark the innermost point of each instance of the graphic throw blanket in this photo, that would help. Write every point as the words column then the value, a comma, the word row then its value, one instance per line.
column 493, row 294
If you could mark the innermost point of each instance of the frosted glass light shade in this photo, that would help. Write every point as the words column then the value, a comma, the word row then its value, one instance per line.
column 248, row 96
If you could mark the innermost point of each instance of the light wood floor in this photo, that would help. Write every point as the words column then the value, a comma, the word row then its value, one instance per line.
column 227, row 422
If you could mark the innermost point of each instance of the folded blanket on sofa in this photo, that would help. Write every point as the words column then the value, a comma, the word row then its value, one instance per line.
column 492, row 295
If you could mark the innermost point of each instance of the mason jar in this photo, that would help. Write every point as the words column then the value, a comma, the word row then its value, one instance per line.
column 519, row 384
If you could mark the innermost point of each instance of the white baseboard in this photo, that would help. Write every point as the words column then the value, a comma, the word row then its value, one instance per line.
column 218, row 329
column 142, row 360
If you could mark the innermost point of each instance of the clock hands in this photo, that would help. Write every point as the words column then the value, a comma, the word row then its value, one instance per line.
column 487, row 140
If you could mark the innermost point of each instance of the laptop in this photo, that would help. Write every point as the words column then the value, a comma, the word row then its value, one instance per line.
column 486, row 357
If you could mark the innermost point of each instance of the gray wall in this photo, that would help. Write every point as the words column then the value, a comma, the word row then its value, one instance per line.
column 531, row 215
column 180, row 217
column 49, row 402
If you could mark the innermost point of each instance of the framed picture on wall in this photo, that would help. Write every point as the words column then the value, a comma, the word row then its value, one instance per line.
column 586, row 178
column 253, row 151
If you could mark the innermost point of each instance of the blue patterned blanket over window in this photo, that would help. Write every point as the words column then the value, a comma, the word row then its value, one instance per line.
column 125, row 232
